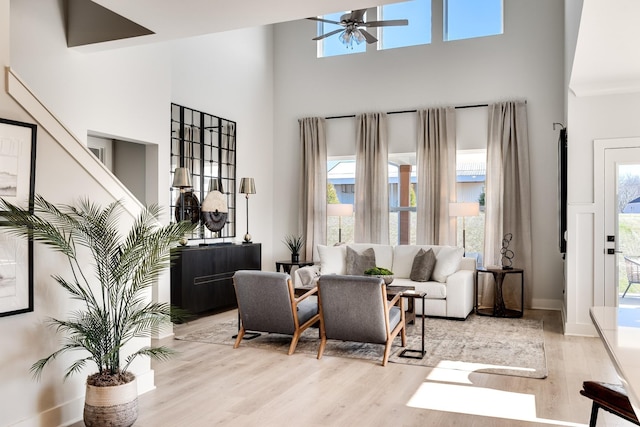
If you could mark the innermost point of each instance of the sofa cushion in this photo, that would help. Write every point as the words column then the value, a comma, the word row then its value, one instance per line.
column 358, row 263
column 448, row 260
column 403, row 256
column 423, row 264
column 434, row 290
column 332, row 259
column 384, row 253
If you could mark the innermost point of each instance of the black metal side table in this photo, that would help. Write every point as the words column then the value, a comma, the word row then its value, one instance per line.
column 499, row 309
column 408, row 352
column 288, row 265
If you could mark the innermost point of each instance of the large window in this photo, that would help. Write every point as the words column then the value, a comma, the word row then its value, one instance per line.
column 465, row 19
column 471, row 166
column 402, row 199
column 341, row 184
column 418, row 12
column 462, row 19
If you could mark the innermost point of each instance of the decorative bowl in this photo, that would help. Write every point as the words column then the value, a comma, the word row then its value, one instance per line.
column 387, row 278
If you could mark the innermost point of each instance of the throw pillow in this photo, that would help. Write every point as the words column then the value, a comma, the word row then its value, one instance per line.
column 447, row 262
column 332, row 259
column 357, row 263
column 423, row 265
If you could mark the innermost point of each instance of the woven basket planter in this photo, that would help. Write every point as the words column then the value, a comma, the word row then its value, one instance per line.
column 115, row 406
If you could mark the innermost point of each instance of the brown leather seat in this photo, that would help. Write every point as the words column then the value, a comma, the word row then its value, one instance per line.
column 610, row 397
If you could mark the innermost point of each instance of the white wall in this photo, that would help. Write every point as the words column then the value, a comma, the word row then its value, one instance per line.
column 231, row 75
column 609, row 113
column 526, row 62
column 124, row 94
column 590, row 118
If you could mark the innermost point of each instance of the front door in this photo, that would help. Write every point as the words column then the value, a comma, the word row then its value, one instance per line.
column 621, row 221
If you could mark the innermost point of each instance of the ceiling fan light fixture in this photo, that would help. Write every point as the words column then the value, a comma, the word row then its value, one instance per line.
column 351, row 33
column 358, row 36
column 346, row 38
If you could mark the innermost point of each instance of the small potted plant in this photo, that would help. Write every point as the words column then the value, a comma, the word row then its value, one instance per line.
column 384, row 273
column 294, row 243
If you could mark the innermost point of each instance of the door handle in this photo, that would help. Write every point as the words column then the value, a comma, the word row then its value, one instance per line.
column 612, row 251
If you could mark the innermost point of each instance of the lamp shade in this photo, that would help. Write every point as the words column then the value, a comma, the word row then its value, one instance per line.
column 464, row 209
column 247, row 186
column 181, row 178
column 215, row 185
column 339, row 209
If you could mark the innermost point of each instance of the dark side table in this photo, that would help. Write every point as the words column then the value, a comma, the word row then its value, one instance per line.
column 288, row 265
column 499, row 309
column 410, row 352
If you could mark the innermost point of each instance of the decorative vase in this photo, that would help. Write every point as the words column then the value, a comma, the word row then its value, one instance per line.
column 111, row 406
column 295, row 257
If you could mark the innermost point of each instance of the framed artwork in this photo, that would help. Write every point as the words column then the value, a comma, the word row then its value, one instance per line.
column 17, row 186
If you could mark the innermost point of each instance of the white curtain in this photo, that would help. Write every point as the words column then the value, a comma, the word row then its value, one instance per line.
column 313, row 209
column 436, row 170
column 508, row 196
column 372, row 181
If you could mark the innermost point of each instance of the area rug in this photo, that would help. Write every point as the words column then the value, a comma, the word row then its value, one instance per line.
column 479, row 344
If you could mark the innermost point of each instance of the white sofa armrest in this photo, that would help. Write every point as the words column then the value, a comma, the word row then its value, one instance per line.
column 305, row 276
column 460, row 288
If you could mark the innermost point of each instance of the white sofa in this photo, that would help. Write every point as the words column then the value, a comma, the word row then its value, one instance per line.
column 449, row 290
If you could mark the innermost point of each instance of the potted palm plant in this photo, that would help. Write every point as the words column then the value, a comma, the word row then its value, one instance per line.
column 114, row 308
column 294, row 243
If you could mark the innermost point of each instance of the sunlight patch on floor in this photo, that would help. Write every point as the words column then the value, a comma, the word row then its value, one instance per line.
column 448, row 388
column 470, row 367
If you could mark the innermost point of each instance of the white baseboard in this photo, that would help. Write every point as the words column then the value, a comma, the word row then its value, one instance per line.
column 580, row 329
column 71, row 412
column 63, row 415
column 546, row 304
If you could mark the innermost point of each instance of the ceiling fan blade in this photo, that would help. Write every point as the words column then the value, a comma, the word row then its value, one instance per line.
column 358, row 15
column 389, row 23
column 370, row 39
column 324, row 20
column 328, row 34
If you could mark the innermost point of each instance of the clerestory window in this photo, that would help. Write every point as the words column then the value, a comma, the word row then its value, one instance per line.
column 465, row 19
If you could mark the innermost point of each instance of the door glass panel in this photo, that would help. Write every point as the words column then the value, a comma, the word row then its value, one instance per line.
column 628, row 211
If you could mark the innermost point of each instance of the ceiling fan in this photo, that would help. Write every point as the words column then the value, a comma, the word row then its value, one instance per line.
column 354, row 27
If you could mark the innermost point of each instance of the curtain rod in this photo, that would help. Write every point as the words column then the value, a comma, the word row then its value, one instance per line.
column 408, row 111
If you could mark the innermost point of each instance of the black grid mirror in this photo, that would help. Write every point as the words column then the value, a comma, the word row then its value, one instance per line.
column 205, row 145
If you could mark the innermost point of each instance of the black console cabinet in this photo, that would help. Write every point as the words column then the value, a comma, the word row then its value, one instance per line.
column 201, row 276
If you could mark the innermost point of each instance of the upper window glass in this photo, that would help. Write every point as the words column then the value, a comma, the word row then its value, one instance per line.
column 418, row 12
column 332, row 45
column 465, row 19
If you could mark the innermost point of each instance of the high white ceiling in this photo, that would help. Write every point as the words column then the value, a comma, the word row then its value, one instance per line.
column 607, row 58
column 171, row 19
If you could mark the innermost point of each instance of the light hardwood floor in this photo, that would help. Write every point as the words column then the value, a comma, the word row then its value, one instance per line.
column 210, row 385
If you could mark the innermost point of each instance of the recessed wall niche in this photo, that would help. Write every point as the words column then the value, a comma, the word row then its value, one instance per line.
column 206, row 145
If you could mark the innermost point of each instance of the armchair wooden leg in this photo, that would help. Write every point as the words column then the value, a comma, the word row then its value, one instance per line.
column 239, row 337
column 387, row 351
column 294, row 342
column 323, row 342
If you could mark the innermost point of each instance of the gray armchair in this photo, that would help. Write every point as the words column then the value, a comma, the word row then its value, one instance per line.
column 355, row 308
column 267, row 303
